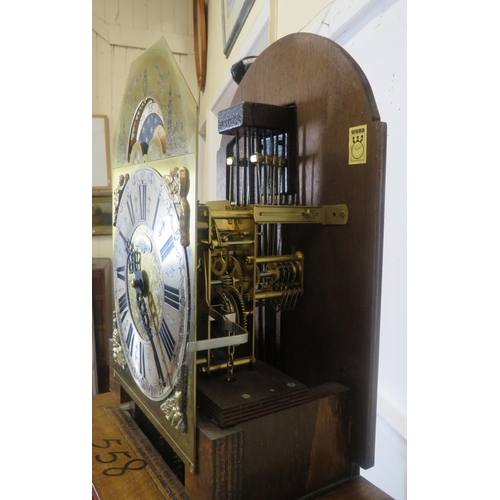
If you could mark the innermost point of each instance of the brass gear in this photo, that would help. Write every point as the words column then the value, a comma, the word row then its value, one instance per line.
column 236, row 273
column 219, row 263
column 274, row 270
column 237, row 300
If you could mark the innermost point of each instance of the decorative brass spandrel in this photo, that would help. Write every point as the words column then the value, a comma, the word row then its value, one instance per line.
column 117, row 346
column 117, row 194
column 174, row 407
column 173, row 413
column 178, row 186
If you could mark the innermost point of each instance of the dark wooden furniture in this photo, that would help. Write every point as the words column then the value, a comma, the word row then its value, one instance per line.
column 102, row 312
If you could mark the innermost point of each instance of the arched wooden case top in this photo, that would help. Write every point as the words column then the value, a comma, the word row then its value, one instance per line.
column 333, row 332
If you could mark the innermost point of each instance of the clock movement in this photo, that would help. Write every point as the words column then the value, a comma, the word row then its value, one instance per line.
column 246, row 328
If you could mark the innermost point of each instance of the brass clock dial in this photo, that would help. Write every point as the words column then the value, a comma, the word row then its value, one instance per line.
column 154, row 182
column 151, row 283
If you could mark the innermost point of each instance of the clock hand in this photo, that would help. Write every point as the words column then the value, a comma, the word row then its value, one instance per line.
column 132, row 259
column 139, row 284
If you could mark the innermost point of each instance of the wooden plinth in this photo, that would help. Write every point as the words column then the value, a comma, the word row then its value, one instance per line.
column 282, row 455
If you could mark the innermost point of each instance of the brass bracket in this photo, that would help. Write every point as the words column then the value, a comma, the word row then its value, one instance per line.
column 325, row 214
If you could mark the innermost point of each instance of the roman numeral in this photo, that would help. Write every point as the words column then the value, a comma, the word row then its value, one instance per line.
column 142, row 201
column 167, row 339
column 131, row 211
column 130, row 339
column 167, row 248
column 120, row 272
column 142, row 366
column 123, row 306
column 156, row 213
column 171, row 296
column 125, row 241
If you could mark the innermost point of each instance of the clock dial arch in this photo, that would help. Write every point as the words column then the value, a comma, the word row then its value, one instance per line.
column 151, row 283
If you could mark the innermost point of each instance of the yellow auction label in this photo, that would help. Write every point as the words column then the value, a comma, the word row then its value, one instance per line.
column 357, row 144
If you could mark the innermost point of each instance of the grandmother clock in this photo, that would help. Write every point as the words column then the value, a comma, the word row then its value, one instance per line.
column 246, row 328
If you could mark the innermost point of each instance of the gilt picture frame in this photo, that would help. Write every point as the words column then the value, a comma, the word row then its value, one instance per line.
column 102, row 212
column 234, row 15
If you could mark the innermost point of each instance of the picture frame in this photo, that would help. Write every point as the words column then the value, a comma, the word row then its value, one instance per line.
column 102, row 212
column 234, row 15
column 101, row 171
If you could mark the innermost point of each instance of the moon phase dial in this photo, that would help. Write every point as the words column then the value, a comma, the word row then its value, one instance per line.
column 148, row 130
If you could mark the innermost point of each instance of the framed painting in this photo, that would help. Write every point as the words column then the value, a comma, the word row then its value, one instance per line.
column 102, row 212
column 101, row 172
column 234, row 15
